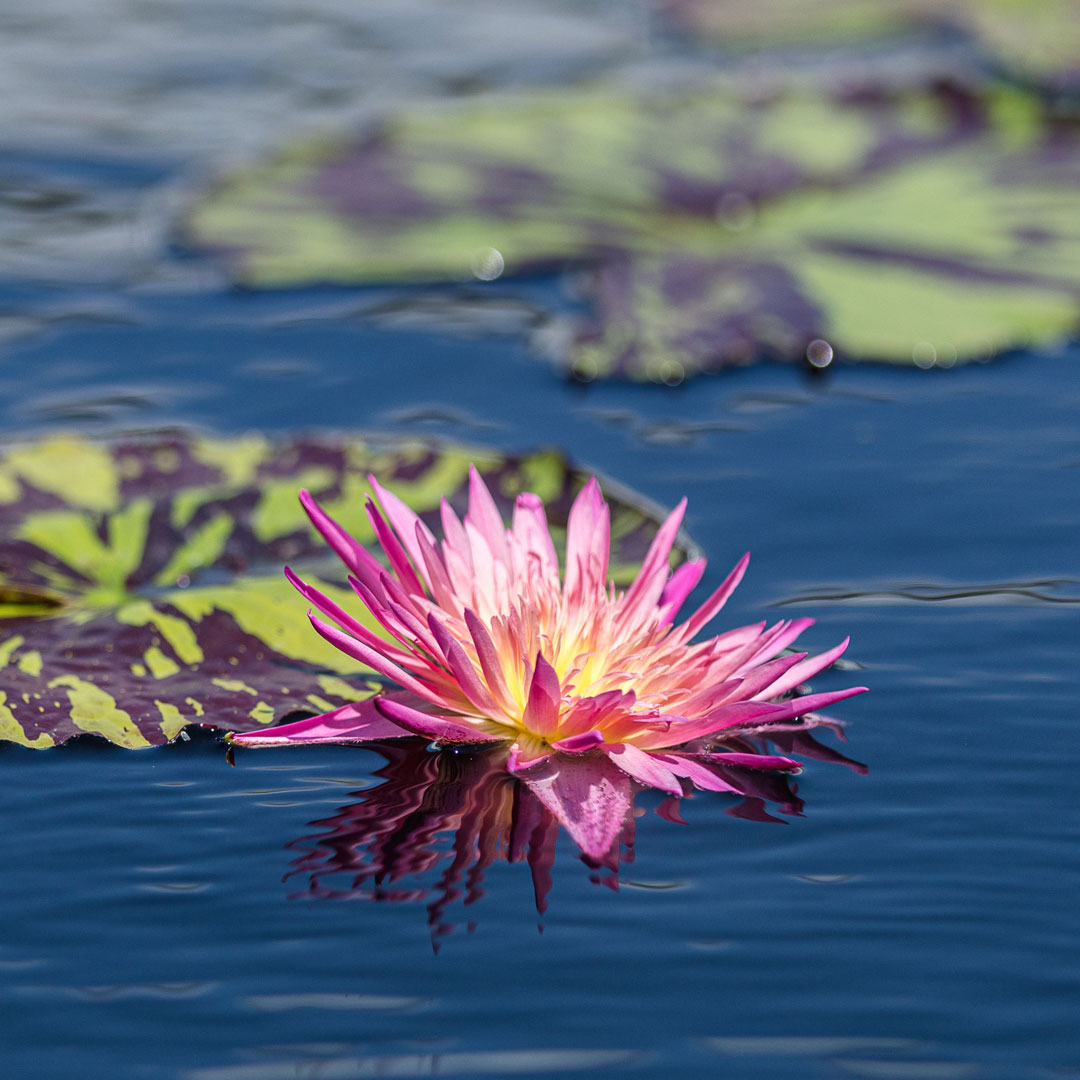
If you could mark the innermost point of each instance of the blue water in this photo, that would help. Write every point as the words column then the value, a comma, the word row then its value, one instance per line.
column 918, row 923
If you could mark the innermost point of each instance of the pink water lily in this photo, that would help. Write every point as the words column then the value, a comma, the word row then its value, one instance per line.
column 592, row 690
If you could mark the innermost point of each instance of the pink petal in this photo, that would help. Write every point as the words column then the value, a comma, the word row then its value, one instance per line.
column 759, row 682
column 653, row 575
column 712, row 606
column 340, row 616
column 545, row 699
column 737, row 713
column 755, row 761
column 680, row 585
column 527, row 757
column 579, row 744
column 361, row 722
column 444, row 729
column 374, row 660
column 644, row 768
column 589, row 796
column 351, row 552
column 462, row 668
column 588, row 541
column 404, row 521
column 484, row 516
column 399, row 560
column 531, row 529
column 776, row 640
column 489, row 659
column 697, row 770
column 807, row 669
column 811, row 702
column 437, row 574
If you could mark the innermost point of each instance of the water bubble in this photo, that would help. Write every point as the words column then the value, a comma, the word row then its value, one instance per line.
column 585, row 368
column 924, row 354
column 820, row 353
column 488, row 264
column 671, row 373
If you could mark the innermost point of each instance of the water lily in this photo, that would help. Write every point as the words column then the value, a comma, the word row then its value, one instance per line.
column 592, row 691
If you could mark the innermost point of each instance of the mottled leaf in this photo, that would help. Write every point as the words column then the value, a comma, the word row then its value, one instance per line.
column 140, row 578
column 920, row 228
column 1037, row 41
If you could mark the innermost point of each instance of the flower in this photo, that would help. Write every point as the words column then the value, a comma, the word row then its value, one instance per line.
column 592, row 690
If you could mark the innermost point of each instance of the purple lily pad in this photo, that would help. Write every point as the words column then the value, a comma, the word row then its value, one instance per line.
column 920, row 228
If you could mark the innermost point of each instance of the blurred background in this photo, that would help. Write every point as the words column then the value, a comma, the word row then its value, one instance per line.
column 815, row 265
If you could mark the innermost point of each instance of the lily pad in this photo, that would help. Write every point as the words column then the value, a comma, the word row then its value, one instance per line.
column 140, row 577
column 917, row 229
column 1037, row 42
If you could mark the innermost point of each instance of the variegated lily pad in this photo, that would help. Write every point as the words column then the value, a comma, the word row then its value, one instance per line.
column 140, row 578
column 1035, row 41
column 918, row 229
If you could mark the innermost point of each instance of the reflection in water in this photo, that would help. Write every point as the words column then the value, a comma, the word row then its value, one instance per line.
column 438, row 820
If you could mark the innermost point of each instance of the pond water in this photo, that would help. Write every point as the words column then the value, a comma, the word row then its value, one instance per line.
column 165, row 914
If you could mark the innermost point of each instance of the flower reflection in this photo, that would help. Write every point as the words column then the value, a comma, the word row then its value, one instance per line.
column 429, row 832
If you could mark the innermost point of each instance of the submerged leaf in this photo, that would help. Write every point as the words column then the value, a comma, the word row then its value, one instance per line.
column 922, row 228
column 140, row 578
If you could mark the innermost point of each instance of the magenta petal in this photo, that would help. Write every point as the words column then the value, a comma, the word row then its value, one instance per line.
column 545, row 699
column 589, row 796
column 756, row 761
column 430, row 725
column 361, row 722
column 351, row 552
column 680, row 585
column 811, row 702
column 644, row 768
column 697, row 768
column 578, row 744
column 807, row 669
column 712, row 606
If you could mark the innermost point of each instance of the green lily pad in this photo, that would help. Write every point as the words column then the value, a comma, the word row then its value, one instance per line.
column 918, row 229
column 140, row 578
column 1039, row 42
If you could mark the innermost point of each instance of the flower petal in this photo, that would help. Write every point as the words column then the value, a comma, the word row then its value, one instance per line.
column 806, row 669
column 360, row 722
column 404, row 521
column 445, row 729
column 351, row 552
column 545, row 699
column 530, row 527
column 588, row 543
column 375, row 660
column 484, row 516
column 809, row 703
column 644, row 768
column 680, row 585
column 649, row 584
column 589, row 796
column 755, row 761
column 579, row 744
column 461, row 667
column 698, row 770
column 712, row 606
